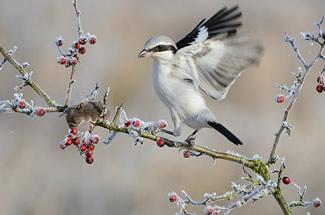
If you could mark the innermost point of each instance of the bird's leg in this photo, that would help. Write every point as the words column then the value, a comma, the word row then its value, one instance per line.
column 167, row 131
column 191, row 138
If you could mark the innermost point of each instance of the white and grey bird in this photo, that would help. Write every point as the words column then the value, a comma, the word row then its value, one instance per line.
column 209, row 59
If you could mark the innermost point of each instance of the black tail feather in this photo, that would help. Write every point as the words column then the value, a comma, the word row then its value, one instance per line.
column 225, row 132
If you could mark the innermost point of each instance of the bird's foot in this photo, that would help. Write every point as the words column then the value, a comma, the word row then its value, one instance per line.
column 191, row 140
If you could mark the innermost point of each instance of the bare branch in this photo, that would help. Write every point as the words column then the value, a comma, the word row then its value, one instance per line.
column 80, row 31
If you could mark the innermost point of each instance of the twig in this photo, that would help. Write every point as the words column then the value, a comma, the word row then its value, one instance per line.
column 295, row 94
column 80, row 31
column 71, row 81
column 118, row 111
column 29, row 82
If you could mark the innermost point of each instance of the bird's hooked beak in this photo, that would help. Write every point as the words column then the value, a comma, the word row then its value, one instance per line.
column 144, row 53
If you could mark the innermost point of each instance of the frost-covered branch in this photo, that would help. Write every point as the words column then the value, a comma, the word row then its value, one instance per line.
column 80, row 31
column 298, row 83
column 26, row 77
column 237, row 197
column 69, row 59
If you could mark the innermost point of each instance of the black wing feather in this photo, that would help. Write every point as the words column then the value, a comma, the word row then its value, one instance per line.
column 224, row 21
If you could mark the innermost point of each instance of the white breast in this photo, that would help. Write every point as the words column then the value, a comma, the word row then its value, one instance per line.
column 177, row 94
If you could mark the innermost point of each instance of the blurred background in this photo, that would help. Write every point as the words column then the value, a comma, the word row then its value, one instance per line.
column 37, row 177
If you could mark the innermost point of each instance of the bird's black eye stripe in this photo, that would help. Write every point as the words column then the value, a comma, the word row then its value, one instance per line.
column 162, row 48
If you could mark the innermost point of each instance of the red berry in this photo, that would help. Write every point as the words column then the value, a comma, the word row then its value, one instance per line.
column 59, row 41
column 73, row 61
column 63, row 146
column 22, row 104
column 40, row 112
column 187, row 154
column 83, row 148
column 76, row 45
column 317, row 203
column 91, row 147
column 216, row 213
column 67, row 64
column 320, row 80
column 92, row 39
column 137, row 123
column 286, row 180
column 89, row 160
column 162, row 124
column 127, row 124
column 62, row 60
column 95, row 140
column 82, row 50
column 76, row 141
column 83, row 40
column 319, row 88
column 280, row 99
column 160, row 142
column 209, row 211
column 89, row 153
column 68, row 142
column 172, row 198
column 74, row 131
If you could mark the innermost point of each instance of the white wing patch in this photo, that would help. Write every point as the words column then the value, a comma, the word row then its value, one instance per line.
column 201, row 36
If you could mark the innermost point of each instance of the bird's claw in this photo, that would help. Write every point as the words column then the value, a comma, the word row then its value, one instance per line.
column 191, row 140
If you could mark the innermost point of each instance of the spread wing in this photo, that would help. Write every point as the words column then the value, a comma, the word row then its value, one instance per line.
column 219, row 62
column 224, row 21
column 218, row 54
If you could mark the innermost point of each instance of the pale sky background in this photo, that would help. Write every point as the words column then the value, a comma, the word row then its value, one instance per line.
column 38, row 178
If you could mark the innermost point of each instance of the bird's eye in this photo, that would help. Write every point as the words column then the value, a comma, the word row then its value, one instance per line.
column 160, row 47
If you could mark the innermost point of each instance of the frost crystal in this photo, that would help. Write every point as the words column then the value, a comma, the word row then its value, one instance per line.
column 136, row 136
column 123, row 117
column 256, row 156
column 110, row 138
column 308, row 36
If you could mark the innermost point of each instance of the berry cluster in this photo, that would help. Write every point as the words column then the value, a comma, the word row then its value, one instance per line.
column 320, row 86
column 135, row 122
column 71, row 58
column 135, row 126
column 84, row 143
column 139, row 124
column 21, row 103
